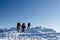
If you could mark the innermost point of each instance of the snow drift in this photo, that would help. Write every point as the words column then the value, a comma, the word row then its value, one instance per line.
column 37, row 33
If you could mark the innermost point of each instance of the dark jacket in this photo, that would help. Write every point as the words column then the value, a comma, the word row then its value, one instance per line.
column 28, row 25
column 23, row 25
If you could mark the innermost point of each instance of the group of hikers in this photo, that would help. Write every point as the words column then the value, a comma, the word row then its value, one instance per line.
column 23, row 26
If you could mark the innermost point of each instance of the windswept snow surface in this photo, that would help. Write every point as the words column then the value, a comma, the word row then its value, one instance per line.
column 37, row 33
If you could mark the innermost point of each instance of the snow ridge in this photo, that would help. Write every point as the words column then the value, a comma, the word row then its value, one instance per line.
column 36, row 33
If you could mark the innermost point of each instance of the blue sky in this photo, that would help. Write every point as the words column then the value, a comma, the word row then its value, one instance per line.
column 44, row 13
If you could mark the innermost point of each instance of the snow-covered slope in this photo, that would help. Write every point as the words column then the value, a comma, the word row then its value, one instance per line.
column 37, row 33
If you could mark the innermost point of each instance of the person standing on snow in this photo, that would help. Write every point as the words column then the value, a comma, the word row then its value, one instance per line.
column 23, row 27
column 28, row 26
column 18, row 26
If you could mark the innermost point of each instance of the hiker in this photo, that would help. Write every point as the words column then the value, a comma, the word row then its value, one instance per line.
column 18, row 26
column 28, row 26
column 23, row 27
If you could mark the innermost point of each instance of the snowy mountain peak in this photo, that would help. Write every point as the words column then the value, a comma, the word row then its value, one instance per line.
column 37, row 33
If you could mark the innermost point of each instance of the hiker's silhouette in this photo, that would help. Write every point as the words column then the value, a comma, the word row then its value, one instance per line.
column 18, row 26
column 23, row 27
column 28, row 26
